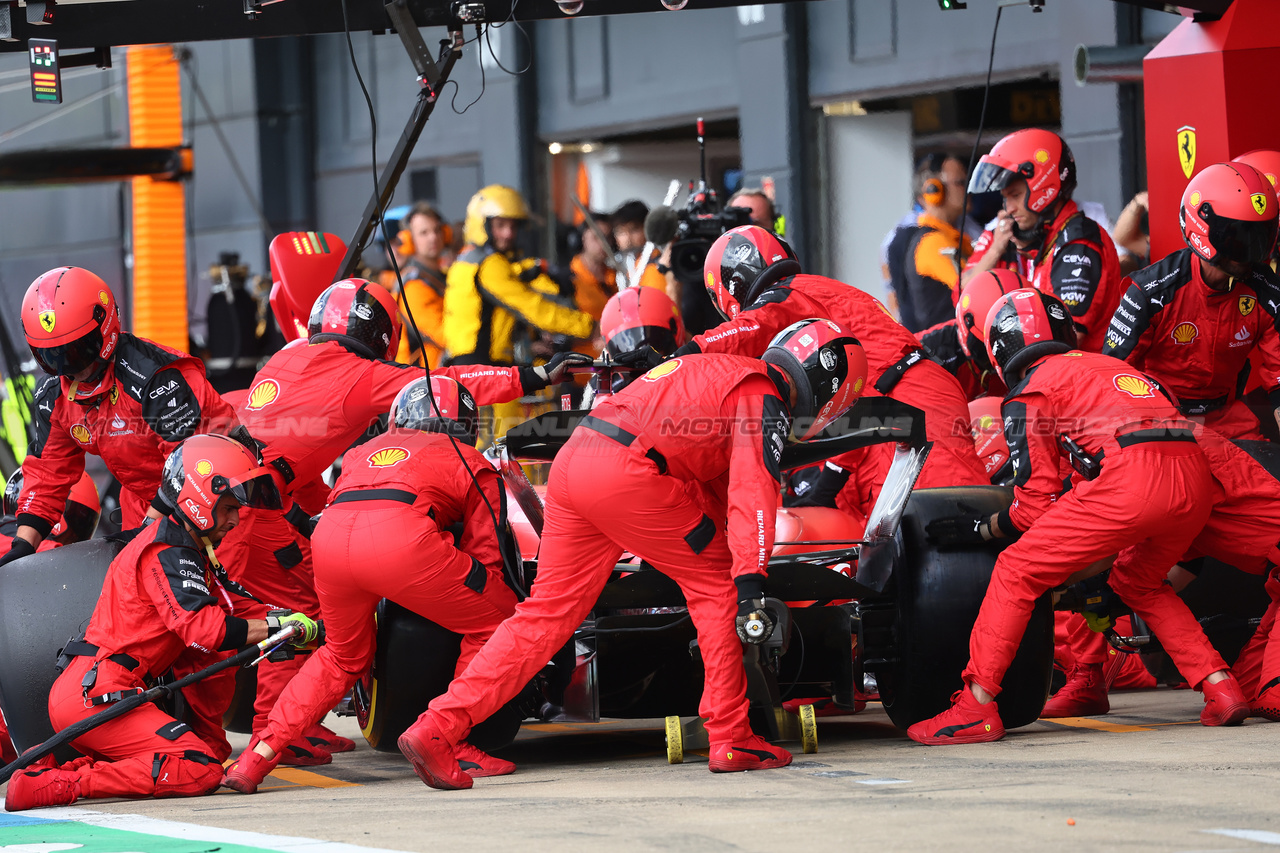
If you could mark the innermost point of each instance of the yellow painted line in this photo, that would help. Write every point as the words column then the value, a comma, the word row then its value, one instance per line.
column 1096, row 725
column 311, row 780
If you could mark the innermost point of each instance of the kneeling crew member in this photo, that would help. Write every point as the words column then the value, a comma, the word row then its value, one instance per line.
column 1144, row 482
column 385, row 535
column 165, row 603
column 699, row 505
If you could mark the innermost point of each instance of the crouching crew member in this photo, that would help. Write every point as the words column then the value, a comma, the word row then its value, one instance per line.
column 385, row 535
column 682, row 469
column 108, row 393
column 165, row 602
column 308, row 405
column 1143, row 482
column 1193, row 319
column 756, row 282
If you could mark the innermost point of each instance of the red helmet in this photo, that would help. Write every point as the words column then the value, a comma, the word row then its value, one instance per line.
column 1039, row 157
column 70, row 318
column 641, row 316
column 987, row 423
column 1023, row 326
column 742, row 263
column 303, row 264
column 1265, row 161
column 827, row 368
column 358, row 314
column 440, row 404
column 206, row 468
column 80, row 516
column 976, row 299
column 1228, row 215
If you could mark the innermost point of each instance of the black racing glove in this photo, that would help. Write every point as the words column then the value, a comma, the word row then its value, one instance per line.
column 19, row 549
column 822, row 489
column 643, row 359
column 545, row 375
column 690, row 348
column 956, row 530
column 1100, row 605
column 755, row 622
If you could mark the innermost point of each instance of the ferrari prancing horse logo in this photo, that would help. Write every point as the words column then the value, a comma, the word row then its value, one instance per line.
column 1187, row 149
column 1246, row 305
column 46, row 320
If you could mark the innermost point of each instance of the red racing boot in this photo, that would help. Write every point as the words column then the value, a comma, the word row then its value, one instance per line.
column 1224, row 703
column 966, row 721
column 1084, row 694
column 326, row 738
column 35, row 789
column 755, row 753
column 304, row 753
column 432, row 757
column 246, row 773
column 476, row 763
column 1268, row 702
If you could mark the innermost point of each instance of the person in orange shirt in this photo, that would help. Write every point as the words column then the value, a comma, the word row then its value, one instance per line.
column 931, row 275
column 628, row 233
column 423, row 241
column 593, row 280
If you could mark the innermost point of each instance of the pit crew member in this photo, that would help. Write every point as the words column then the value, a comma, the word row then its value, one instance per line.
column 958, row 343
column 682, row 469
column 1143, row 482
column 109, row 393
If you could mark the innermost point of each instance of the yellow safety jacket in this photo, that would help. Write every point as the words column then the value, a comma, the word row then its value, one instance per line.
column 490, row 299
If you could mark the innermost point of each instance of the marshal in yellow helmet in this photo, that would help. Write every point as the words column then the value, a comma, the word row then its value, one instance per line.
column 493, row 200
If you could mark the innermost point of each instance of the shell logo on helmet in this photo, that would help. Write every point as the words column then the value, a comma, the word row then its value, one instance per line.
column 204, row 467
column 986, row 422
column 104, row 298
column 47, row 320
column 1042, row 156
column 388, row 457
column 1246, row 305
column 665, row 369
column 858, row 385
column 1134, row 386
column 263, row 394
column 1185, row 333
column 1194, row 199
column 964, row 302
column 1259, row 203
column 81, row 434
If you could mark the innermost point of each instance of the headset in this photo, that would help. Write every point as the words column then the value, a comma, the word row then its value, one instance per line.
column 933, row 191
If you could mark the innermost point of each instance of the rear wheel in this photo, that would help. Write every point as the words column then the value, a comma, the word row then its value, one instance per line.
column 414, row 664
column 937, row 594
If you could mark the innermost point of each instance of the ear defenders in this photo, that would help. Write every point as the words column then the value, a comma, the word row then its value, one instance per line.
column 933, row 192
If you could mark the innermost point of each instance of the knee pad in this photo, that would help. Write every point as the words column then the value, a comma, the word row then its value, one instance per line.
column 191, row 774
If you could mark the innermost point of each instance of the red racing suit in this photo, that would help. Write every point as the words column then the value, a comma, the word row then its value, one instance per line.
column 160, row 398
column 308, row 404
column 163, row 605
column 896, row 367
column 1077, row 263
column 1197, row 340
column 943, row 345
column 385, row 535
column 681, row 468
column 1152, row 491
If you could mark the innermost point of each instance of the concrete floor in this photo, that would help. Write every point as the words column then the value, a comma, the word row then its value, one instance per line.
column 1147, row 777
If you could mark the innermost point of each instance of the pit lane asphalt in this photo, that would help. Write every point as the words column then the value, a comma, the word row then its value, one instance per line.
column 1146, row 777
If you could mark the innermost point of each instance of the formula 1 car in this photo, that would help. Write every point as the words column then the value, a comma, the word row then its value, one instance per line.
column 881, row 601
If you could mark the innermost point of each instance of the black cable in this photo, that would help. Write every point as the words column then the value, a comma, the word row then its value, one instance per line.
column 457, row 88
column 511, row 19
column 977, row 143
column 404, row 297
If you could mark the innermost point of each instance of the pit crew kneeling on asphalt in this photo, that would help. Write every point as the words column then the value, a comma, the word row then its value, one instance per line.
column 681, row 468
column 109, row 393
column 1143, row 481
column 385, row 535
column 166, row 602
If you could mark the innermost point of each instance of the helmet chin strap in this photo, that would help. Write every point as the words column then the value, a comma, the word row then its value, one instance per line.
column 208, row 549
column 71, row 392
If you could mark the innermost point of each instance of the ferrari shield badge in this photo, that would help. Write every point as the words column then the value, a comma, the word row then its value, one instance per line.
column 1187, row 149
